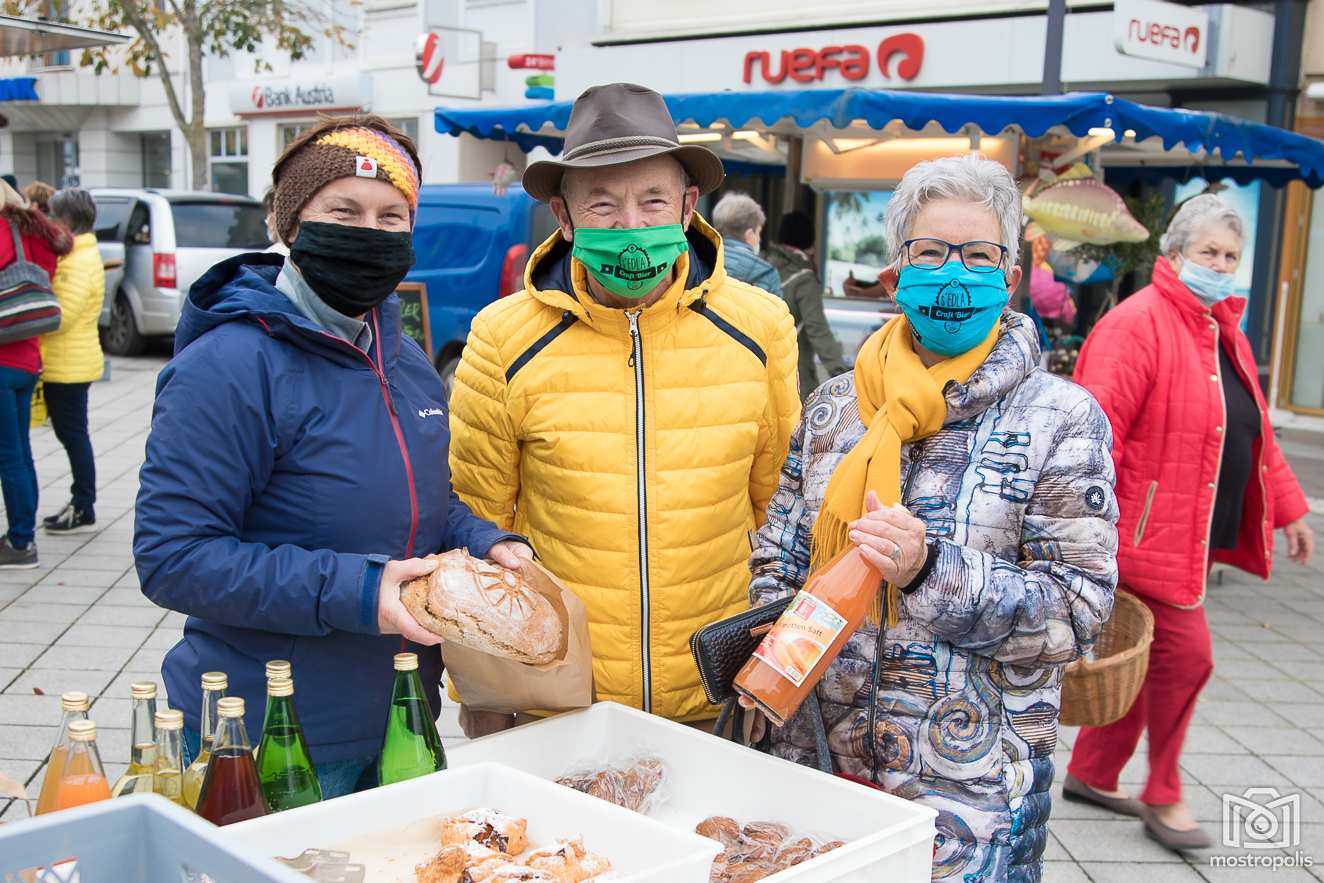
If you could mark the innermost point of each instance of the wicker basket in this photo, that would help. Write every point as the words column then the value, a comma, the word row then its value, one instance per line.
column 1098, row 691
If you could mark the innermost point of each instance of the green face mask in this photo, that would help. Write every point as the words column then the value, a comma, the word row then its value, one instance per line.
column 630, row 263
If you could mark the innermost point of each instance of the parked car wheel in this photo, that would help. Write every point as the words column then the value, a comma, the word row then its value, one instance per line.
column 447, row 362
column 121, row 337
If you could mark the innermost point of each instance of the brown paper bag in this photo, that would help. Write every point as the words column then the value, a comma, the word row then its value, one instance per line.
column 494, row 683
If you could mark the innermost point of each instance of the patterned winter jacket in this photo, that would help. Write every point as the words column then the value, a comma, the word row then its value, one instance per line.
column 961, row 714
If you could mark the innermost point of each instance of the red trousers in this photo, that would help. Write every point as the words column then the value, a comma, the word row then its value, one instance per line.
column 1181, row 660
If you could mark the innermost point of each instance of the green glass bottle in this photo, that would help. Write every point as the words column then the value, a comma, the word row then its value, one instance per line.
column 411, row 746
column 284, row 768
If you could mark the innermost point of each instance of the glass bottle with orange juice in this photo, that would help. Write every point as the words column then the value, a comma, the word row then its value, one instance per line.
column 83, row 780
column 794, row 654
column 74, row 704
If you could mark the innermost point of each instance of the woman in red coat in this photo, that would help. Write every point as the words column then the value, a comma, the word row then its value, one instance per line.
column 43, row 243
column 1200, row 479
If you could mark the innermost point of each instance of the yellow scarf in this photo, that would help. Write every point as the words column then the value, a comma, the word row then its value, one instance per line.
column 900, row 401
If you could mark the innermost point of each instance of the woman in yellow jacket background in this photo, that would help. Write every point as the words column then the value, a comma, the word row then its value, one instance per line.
column 71, row 356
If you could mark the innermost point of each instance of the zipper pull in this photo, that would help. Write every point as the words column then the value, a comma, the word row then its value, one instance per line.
column 633, row 319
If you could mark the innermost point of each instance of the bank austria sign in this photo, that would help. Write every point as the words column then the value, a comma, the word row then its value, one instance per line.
column 312, row 94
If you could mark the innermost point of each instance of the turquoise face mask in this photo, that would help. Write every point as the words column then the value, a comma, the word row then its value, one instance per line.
column 951, row 308
column 1208, row 285
column 629, row 262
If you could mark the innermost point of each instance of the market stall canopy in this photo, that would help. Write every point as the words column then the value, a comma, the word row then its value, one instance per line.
column 1152, row 140
column 24, row 36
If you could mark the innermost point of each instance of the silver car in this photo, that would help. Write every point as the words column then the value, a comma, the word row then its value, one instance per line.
column 166, row 239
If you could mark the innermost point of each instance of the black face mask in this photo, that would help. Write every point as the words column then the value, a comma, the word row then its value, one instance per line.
column 353, row 269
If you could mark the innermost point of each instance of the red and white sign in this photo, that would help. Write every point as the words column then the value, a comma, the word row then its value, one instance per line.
column 428, row 58
column 538, row 61
column 1161, row 32
column 852, row 62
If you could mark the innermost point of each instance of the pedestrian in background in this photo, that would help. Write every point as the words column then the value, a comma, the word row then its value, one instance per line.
column 1200, row 479
column 739, row 219
column 43, row 244
column 38, row 194
column 71, row 355
column 802, row 289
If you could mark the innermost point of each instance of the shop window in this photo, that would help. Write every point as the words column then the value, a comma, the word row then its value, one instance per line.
column 229, row 159
column 408, row 125
column 290, row 131
column 1308, row 370
column 57, row 159
column 156, row 159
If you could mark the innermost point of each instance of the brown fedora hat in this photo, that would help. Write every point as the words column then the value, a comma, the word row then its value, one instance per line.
column 615, row 124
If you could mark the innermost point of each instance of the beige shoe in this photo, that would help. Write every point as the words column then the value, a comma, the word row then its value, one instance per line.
column 1177, row 841
column 1075, row 790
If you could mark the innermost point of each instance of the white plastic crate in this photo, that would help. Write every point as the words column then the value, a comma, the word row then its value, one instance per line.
column 886, row 837
column 139, row 839
column 393, row 828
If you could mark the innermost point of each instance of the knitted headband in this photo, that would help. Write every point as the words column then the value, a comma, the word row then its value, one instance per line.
column 358, row 151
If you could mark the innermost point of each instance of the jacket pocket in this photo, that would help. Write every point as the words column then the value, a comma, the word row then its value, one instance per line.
column 1144, row 514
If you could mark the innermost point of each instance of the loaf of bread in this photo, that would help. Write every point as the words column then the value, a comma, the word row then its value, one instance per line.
column 486, row 607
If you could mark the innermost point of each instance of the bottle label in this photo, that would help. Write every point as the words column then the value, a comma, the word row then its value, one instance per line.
column 800, row 637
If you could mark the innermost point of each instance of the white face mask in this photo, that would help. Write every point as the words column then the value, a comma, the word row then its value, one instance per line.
column 1210, row 286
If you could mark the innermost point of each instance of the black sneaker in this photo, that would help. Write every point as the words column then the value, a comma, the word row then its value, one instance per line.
column 17, row 559
column 69, row 520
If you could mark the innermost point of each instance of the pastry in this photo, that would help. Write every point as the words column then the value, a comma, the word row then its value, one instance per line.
column 486, row 827
column 749, row 871
column 829, row 846
column 629, row 787
column 446, row 866
column 568, row 861
column 513, row 873
column 794, row 853
column 720, row 828
column 766, row 833
column 485, row 607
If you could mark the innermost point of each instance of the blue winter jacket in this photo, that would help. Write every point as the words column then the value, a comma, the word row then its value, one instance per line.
column 284, row 468
column 741, row 262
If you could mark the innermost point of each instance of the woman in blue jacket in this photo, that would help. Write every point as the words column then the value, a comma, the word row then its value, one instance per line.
column 297, row 463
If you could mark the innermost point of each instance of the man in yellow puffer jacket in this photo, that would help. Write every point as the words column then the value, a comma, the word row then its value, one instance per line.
column 71, row 357
column 629, row 411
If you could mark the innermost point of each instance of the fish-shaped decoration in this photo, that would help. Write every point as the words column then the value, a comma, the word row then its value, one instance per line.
column 1079, row 208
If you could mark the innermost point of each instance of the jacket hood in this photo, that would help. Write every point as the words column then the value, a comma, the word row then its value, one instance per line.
column 785, row 256
column 550, row 271
column 244, row 288
column 1228, row 312
column 1014, row 356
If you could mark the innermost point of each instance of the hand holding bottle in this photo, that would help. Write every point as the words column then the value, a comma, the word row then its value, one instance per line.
column 890, row 539
column 392, row 617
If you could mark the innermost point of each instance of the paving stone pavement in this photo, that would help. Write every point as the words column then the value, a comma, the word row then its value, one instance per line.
column 80, row 622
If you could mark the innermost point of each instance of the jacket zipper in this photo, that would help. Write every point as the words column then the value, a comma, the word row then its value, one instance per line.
column 641, row 480
column 1144, row 514
column 1218, row 468
column 876, row 674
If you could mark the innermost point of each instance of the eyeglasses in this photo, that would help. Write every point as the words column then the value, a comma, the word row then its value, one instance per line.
column 977, row 256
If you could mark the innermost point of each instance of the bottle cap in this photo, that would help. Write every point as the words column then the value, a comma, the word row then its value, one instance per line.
column 406, row 662
column 169, row 719
column 278, row 668
column 215, row 680
column 230, row 706
column 280, row 687
column 75, row 700
column 83, row 731
column 142, row 690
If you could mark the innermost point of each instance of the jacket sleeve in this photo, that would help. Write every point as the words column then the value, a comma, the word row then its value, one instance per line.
column 780, row 561
column 211, row 451
column 78, row 293
column 809, row 299
column 1048, row 607
column 1119, row 374
column 484, row 452
column 780, row 414
column 465, row 530
column 1289, row 500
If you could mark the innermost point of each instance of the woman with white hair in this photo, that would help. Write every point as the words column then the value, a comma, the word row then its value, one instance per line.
column 1200, row 479
column 980, row 488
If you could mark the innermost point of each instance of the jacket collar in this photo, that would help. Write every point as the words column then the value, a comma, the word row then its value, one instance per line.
column 1014, row 356
column 556, row 279
column 1227, row 312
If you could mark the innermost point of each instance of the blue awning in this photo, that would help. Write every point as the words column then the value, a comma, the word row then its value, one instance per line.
column 1218, row 138
column 18, row 89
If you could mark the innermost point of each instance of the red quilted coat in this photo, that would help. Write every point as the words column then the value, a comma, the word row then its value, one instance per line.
column 1152, row 365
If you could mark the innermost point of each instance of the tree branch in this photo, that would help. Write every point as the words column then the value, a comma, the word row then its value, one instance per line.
column 134, row 16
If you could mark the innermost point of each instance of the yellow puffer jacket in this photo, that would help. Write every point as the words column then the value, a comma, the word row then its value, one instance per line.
column 637, row 474
column 72, row 354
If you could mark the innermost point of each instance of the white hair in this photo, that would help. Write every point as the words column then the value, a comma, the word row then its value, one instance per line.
column 1196, row 215
column 971, row 177
column 735, row 213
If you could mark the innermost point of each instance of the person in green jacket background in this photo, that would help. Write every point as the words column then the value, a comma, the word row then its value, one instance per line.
column 802, row 289
column 71, row 356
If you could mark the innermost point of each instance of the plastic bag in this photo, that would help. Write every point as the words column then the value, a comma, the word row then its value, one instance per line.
column 635, row 783
column 757, row 850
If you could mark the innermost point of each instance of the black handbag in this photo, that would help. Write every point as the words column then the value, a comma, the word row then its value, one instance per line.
column 721, row 649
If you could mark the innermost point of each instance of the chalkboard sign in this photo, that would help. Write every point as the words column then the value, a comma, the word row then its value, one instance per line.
column 414, row 314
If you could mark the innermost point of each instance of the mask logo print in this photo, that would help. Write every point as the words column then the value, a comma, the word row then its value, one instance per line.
column 952, row 306
column 634, row 267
